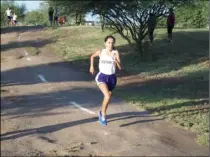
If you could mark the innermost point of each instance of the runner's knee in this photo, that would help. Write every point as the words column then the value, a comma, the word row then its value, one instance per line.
column 107, row 96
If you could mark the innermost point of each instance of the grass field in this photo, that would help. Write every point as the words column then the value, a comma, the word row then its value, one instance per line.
column 171, row 80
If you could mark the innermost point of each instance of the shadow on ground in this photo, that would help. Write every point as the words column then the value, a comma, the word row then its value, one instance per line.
column 57, row 127
column 38, row 105
column 21, row 29
column 31, row 43
column 186, row 49
column 194, row 86
column 54, row 72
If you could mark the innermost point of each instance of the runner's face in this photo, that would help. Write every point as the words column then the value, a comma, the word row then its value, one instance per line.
column 109, row 43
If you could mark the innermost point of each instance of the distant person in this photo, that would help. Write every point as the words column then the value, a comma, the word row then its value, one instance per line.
column 62, row 20
column 50, row 13
column 56, row 16
column 8, row 13
column 14, row 19
column 170, row 23
column 151, row 26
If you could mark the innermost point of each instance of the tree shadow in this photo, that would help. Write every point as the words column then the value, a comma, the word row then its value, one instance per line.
column 21, row 29
column 53, row 72
column 186, row 49
column 201, row 105
column 57, row 127
column 180, row 99
column 163, row 57
column 169, row 57
column 155, row 94
column 33, row 43
column 194, row 86
column 44, row 104
column 191, row 86
column 31, row 105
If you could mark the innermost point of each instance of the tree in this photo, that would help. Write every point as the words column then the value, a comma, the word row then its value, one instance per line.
column 36, row 17
column 194, row 16
column 129, row 19
column 77, row 9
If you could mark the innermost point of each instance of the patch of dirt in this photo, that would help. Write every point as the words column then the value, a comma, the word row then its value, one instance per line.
column 39, row 40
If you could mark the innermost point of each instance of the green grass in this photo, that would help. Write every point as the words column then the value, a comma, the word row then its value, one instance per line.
column 171, row 78
column 77, row 43
column 32, row 50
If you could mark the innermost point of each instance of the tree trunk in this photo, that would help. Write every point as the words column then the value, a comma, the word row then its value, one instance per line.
column 76, row 16
column 139, row 47
column 80, row 19
column 102, row 22
column 141, row 35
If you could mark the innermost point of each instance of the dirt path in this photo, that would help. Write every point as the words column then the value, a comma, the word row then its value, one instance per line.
column 48, row 108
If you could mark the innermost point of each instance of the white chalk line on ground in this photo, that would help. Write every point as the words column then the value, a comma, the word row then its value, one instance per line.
column 42, row 78
column 82, row 108
column 72, row 102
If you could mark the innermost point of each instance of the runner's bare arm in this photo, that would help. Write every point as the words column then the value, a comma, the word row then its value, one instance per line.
column 118, row 60
column 95, row 54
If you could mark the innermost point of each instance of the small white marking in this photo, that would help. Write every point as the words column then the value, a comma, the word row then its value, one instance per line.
column 106, row 133
column 28, row 58
column 42, row 78
column 26, row 53
column 82, row 108
column 50, row 88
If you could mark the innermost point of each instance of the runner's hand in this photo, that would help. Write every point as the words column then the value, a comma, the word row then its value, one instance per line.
column 92, row 70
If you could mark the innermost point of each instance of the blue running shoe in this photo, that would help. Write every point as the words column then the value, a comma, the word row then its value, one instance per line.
column 101, row 119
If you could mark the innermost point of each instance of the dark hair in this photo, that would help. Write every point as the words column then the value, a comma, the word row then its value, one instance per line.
column 109, row 36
